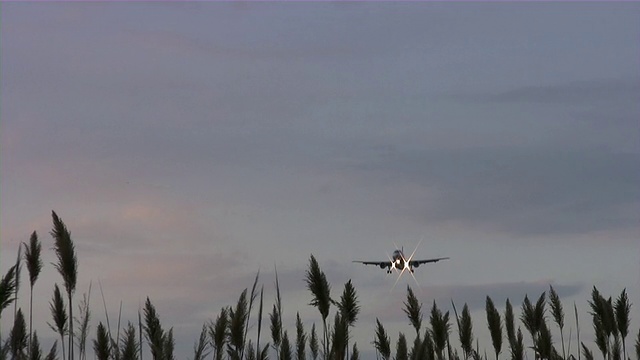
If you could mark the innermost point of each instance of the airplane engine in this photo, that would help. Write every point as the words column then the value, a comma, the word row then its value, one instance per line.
column 416, row 264
column 382, row 266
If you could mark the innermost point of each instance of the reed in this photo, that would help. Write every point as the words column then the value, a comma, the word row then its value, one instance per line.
column 59, row 315
column 67, row 266
column 228, row 336
column 33, row 259
column 320, row 289
column 130, row 346
column 558, row 314
column 623, row 314
column 7, row 290
column 381, row 341
column 495, row 326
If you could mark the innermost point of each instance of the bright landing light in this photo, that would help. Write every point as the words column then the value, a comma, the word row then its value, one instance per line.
column 407, row 266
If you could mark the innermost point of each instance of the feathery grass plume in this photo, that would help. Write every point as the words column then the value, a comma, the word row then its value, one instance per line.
column 540, row 311
column 533, row 316
column 102, row 343
column 611, row 327
column 53, row 352
column 7, row 289
column 237, row 320
column 381, row 341
column 276, row 320
column 348, row 305
column 18, row 338
column 558, row 314
column 355, row 354
column 201, row 348
column 35, row 352
column 428, row 349
column 413, row 309
column 67, row 266
column 285, row 347
column 301, row 339
column 153, row 331
column 313, row 343
column 544, row 342
column 340, row 337
column 465, row 330
column 517, row 347
column 59, row 315
column 401, row 348
column 603, row 318
column 495, row 326
column 18, row 268
column 83, row 323
column 602, row 311
column 276, row 329
column 588, row 354
column 510, row 324
column 601, row 338
column 169, row 344
column 129, row 348
column 34, row 266
column 217, row 333
column 321, row 290
column 349, row 308
column 440, row 328
column 623, row 314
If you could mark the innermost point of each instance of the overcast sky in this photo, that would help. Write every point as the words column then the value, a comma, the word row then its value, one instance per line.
column 187, row 146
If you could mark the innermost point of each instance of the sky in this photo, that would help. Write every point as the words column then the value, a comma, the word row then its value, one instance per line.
column 188, row 146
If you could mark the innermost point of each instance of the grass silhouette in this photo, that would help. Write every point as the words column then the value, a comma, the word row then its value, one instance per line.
column 227, row 337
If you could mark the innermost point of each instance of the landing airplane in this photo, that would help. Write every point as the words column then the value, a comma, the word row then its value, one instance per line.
column 399, row 262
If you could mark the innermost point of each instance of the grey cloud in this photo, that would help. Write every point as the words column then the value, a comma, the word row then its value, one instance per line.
column 523, row 191
column 590, row 92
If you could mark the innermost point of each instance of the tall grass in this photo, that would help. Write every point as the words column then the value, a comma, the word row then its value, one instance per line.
column 67, row 266
column 34, row 266
column 495, row 326
column 558, row 315
column 228, row 335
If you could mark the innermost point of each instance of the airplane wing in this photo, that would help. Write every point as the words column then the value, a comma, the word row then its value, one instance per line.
column 382, row 264
column 416, row 263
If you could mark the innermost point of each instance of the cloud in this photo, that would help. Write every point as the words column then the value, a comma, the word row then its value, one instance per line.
column 523, row 191
column 590, row 92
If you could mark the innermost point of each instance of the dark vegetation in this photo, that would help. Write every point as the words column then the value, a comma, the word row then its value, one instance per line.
column 227, row 337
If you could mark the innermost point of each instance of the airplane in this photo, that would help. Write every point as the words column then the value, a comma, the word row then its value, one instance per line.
column 399, row 262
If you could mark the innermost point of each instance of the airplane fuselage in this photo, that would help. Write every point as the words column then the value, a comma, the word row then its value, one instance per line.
column 398, row 262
